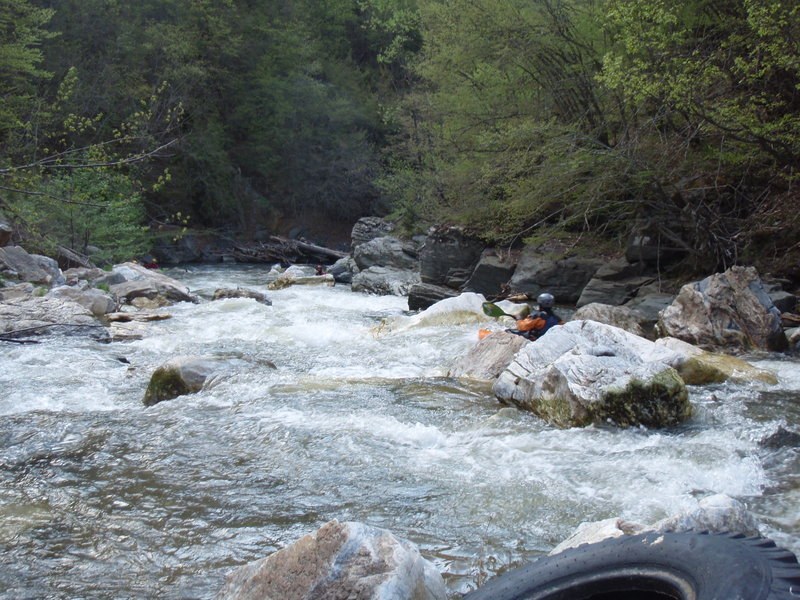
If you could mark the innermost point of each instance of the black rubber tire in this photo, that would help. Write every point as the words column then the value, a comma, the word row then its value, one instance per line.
column 655, row 566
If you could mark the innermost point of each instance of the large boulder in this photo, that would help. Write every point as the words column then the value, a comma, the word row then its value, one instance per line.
column 16, row 263
column 492, row 273
column 731, row 311
column 448, row 257
column 369, row 228
column 614, row 283
column 339, row 561
column 461, row 309
column 140, row 282
column 584, row 373
column 618, row 316
column 98, row 302
column 385, row 281
column 564, row 278
column 37, row 315
column 423, row 295
column 489, row 357
column 386, row 252
column 343, row 270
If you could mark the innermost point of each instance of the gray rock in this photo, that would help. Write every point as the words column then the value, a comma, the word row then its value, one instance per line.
column 730, row 311
column 650, row 305
column 718, row 514
column 564, row 278
column 385, row 281
column 184, row 375
column 339, row 561
column 98, row 302
column 343, row 270
column 492, row 273
column 140, row 282
column 614, row 283
column 423, row 295
column 369, row 228
column 448, row 257
column 16, row 263
column 489, row 357
column 223, row 293
column 653, row 250
column 783, row 301
column 585, row 372
column 19, row 291
column 49, row 316
column 618, row 316
column 386, row 252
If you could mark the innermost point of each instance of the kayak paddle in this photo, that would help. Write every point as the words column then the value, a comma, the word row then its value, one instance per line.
column 492, row 310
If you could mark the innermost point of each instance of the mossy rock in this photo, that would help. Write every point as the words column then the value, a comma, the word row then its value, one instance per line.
column 708, row 367
column 180, row 376
column 662, row 401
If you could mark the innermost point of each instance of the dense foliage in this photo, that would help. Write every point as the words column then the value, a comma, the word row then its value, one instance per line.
column 520, row 119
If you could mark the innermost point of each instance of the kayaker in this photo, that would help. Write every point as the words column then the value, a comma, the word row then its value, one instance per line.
column 536, row 324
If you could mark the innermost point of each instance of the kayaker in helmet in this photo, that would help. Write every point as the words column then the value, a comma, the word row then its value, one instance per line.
column 536, row 324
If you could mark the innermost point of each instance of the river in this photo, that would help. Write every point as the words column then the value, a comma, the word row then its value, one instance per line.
column 102, row 498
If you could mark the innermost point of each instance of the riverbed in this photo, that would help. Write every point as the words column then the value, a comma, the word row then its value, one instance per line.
column 332, row 416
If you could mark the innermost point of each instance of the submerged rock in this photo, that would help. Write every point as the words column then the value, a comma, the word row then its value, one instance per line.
column 339, row 561
column 586, row 372
column 698, row 367
column 182, row 375
column 223, row 293
column 718, row 513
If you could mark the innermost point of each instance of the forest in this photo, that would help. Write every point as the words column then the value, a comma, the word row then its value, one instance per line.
column 521, row 120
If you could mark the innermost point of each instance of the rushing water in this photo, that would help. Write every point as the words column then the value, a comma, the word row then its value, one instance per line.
column 102, row 498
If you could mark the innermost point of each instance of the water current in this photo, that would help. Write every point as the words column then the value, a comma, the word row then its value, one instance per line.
column 102, row 498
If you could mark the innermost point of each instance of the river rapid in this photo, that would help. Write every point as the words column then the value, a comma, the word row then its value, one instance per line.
column 102, row 498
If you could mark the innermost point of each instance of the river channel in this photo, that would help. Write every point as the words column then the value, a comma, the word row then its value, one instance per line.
column 103, row 498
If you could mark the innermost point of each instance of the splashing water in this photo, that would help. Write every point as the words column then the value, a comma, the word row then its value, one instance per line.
column 104, row 498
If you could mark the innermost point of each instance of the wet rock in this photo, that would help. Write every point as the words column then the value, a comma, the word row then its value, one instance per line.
column 464, row 308
column 183, row 375
column 585, row 372
column 730, row 311
column 618, row 316
column 489, row 357
column 718, row 513
column 339, row 561
column 783, row 438
column 140, row 282
column 292, row 277
column 650, row 305
column 260, row 297
column 37, row 315
column 699, row 367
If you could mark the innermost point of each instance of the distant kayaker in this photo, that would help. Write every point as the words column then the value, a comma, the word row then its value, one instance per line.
column 536, row 324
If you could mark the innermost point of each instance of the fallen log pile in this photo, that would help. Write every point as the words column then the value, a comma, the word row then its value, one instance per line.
column 286, row 251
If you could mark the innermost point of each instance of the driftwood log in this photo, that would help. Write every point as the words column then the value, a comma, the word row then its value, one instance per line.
column 286, row 251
